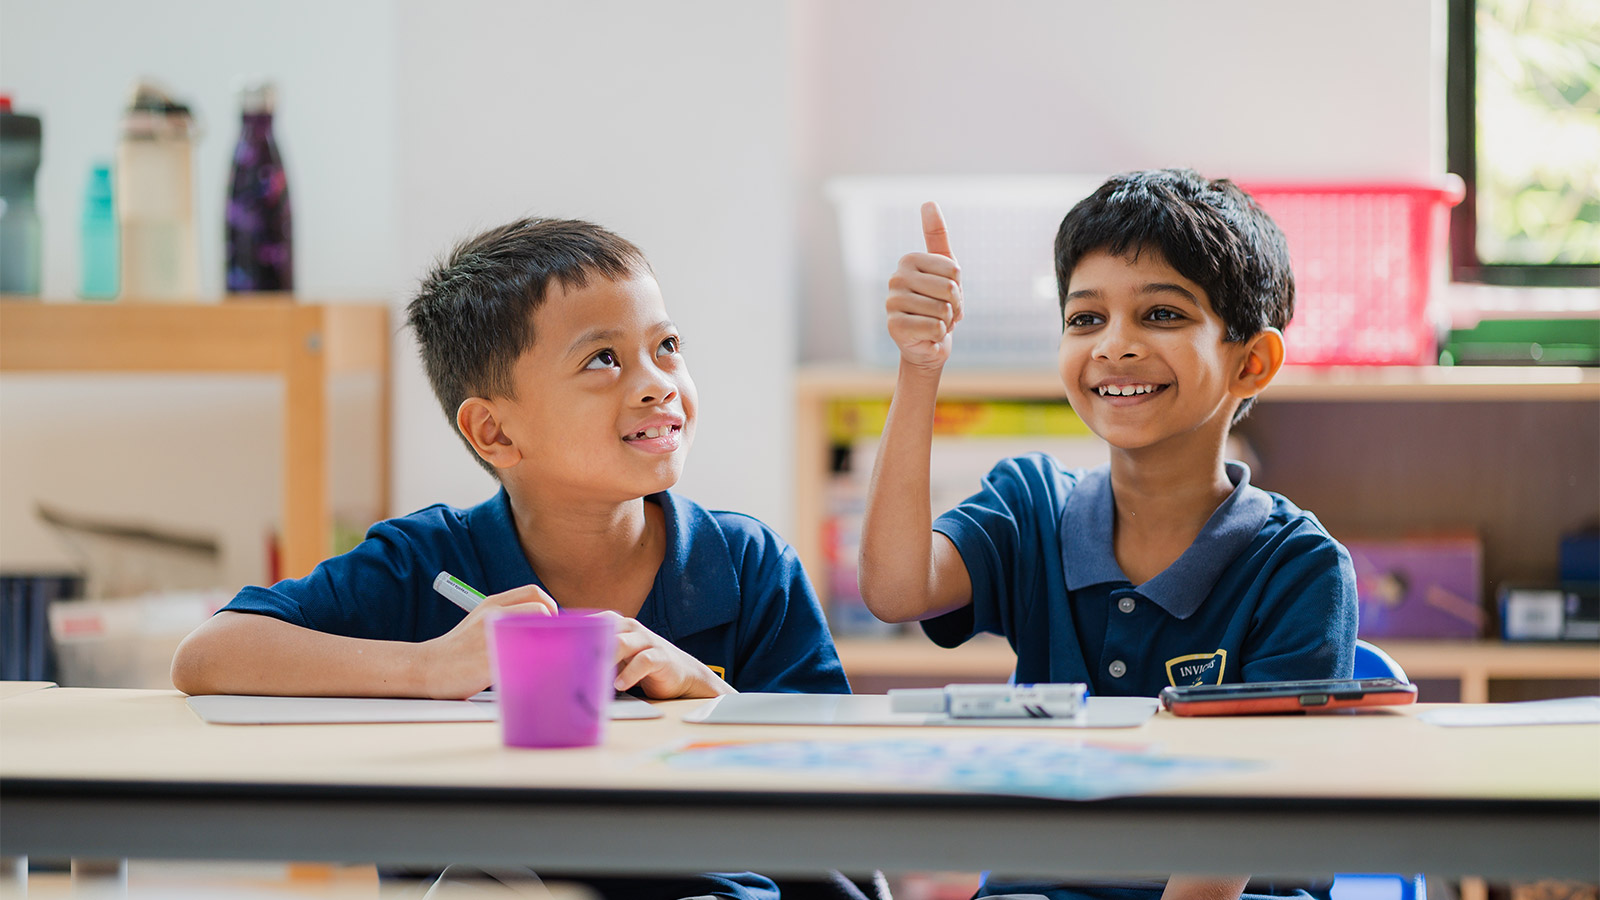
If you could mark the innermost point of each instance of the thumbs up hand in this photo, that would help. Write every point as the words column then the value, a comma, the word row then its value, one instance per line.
column 924, row 301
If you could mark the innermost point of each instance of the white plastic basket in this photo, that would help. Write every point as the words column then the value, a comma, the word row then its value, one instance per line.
column 1002, row 230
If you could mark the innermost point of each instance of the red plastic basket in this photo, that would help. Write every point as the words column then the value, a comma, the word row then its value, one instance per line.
column 1362, row 257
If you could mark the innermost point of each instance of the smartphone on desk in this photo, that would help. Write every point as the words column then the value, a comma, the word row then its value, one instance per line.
column 1257, row 697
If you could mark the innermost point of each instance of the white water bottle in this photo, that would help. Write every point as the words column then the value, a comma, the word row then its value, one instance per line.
column 155, row 199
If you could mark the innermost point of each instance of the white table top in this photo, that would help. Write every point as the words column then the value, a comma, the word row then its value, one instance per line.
column 1490, row 801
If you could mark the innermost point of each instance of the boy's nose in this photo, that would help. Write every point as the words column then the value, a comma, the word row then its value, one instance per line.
column 1118, row 341
column 656, row 387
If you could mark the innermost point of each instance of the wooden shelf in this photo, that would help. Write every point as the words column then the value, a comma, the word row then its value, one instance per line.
column 1472, row 663
column 1299, row 383
column 818, row 385
column 302, row 343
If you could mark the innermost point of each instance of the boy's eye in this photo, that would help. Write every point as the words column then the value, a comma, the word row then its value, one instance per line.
column 1082, row 320
column 670, row 346
column 605, row 359
column 1165, row 314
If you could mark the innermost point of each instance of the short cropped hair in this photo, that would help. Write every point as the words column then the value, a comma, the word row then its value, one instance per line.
column 473, row 315
column 1211, row 231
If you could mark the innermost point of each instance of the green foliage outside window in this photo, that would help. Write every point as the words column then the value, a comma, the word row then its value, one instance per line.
column 1538, row 107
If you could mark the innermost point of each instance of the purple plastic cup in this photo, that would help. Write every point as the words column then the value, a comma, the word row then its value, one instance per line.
column 553, row 677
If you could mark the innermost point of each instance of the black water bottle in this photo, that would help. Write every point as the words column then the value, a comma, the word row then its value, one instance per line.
column 260, row 242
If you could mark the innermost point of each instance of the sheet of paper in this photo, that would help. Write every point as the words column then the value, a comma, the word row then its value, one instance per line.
column 235, row 709
column 1566, row 711
column 18, row 688
column 873, row 709
column 999, row 764
column 623, row 706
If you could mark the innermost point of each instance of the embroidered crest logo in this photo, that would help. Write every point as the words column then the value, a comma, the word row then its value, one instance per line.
column 1196, row 668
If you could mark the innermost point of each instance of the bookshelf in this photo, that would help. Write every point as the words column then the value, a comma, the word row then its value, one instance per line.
column 1507, row 452
column 304, row 344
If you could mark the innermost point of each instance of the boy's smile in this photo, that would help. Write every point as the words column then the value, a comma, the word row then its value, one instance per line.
column 604, row 407
column 1143, row 355
column 658, row 434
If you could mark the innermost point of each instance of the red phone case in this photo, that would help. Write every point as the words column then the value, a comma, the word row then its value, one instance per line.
column 1286, row 697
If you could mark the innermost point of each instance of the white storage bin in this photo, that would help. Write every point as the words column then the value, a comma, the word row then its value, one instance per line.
column 126, row 642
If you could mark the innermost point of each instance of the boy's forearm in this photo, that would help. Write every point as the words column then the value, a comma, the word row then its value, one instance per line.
column 896, row 565
column 244, row 653
column 1214, row 887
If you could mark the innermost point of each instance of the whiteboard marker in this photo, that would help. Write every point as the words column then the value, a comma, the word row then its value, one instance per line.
column 457, row 591
column 993, row 701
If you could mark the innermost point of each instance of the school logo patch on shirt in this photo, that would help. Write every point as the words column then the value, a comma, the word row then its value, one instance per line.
column 1196, row 668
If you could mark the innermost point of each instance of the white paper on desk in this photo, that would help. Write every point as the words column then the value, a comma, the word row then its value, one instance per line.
column 238, row 709
column 1566, row 711
column 623, row 706
column 874, row 709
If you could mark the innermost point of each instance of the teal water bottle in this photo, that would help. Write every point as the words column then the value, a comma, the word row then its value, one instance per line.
column 98, row 263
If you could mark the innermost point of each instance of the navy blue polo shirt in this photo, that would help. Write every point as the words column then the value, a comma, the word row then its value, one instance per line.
column 729, row 592
column 1263, row 594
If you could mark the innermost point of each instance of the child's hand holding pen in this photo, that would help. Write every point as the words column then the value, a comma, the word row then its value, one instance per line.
column 458, row 661
column 644, row 658
column 924, row 302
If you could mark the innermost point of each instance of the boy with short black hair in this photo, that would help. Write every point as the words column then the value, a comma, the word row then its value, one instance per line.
column 1166, row 566
column 549, row 347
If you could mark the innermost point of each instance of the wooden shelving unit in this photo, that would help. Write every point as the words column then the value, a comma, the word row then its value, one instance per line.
column 817, row 386
column 305, row 344
column 1511, row 452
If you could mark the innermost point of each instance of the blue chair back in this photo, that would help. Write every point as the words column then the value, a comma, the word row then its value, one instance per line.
column 1372, row 662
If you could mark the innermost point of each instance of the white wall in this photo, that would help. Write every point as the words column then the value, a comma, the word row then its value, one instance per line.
column 664, row 122
column 702, row 130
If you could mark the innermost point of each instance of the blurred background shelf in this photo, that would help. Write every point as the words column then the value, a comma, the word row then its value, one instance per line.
column 1347, row 383
column 1503, row 453
column 1520, row 424
column 304, row 344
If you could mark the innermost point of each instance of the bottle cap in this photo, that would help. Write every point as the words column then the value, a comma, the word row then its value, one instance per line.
column 153, row 113
column 98, row 197
column 258, row 97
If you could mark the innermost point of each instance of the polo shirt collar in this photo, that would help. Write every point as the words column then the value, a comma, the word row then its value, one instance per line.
column 1088, row 556
column 493, row 531
column 695, row 589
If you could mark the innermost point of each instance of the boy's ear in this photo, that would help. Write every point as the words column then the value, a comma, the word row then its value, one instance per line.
column 479, row 422
column 1263, row 357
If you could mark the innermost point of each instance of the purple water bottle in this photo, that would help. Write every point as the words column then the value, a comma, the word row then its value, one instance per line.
column 259, row 237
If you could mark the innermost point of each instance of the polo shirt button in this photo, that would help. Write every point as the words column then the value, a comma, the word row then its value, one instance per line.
column 1126, row 604
column 1118, row 668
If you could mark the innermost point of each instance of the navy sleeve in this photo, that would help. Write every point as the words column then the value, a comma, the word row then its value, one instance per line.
column 1309, row 631
column 374, row 592
column 1002, row 533
column 783, row 643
